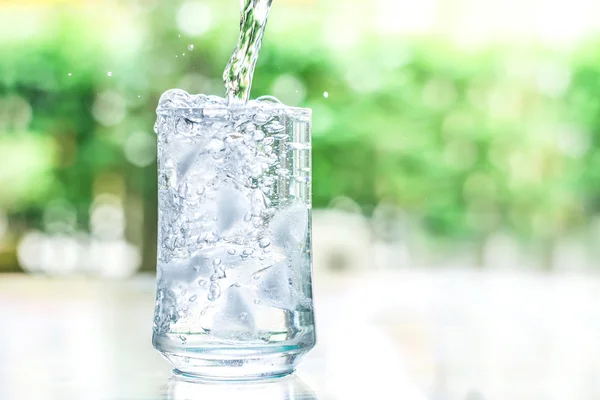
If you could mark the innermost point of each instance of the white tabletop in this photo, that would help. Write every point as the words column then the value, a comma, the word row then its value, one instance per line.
column 437, row 335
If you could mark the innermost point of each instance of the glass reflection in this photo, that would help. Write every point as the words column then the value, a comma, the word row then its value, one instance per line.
column 288, row 388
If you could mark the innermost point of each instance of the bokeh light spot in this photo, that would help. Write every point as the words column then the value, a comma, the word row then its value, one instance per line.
column 194, row 18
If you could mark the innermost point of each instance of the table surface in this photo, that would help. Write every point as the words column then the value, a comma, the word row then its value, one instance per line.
column 435, row 335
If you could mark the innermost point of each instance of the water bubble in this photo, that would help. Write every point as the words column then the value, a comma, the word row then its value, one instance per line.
column 264, row 243
column 109, row 73
column 248, row 217
column 231, row 252
column 259, row 135
column 269, row 99
column 247, row 252
column 214, row 292
column 193, row 298
column 203, row 282
column 268, row 141
column 183, row 292
column 186, row 360
column 216, row 262
column 183, row 339
column 256, row 301
column 190, row 47
column 256, row 277
column 243, row 316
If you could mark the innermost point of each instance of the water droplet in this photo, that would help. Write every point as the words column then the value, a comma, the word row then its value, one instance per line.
column 216, row 261
column 243, row 316
column 190, row 47
column 109, row 73
column 193, row 298
column 247, row 252
column 70, row 74
column 203, row 282
column 231, row 252
column 264, row 243
column 326, row 94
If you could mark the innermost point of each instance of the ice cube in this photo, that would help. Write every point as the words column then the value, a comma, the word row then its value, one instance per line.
column 280, row 286
column 232, row 206
column 231, row 315
column 289, row 227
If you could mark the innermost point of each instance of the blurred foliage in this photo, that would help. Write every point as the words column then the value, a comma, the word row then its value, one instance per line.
column 468, row 141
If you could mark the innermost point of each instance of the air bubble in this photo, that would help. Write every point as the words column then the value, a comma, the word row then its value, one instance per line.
column 231, row 252
column 264, row 243
column 193, row 298
column 216, row 262
column 214, row 292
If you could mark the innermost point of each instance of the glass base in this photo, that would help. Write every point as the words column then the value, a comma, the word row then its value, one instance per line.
column 226, row 366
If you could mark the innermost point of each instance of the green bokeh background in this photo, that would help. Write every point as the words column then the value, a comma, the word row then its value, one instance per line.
column 467, row 141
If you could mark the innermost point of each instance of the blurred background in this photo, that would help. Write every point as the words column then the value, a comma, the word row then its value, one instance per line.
column 456, row 131
column 455, row 140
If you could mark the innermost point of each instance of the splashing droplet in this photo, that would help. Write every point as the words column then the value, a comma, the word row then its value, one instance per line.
column 190, row 47
column 109, row 73
column 326, row 94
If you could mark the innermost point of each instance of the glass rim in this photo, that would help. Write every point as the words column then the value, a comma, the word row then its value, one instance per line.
column 266, row 105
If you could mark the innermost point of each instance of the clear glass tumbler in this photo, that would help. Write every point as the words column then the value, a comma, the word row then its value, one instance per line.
column 234, row 285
